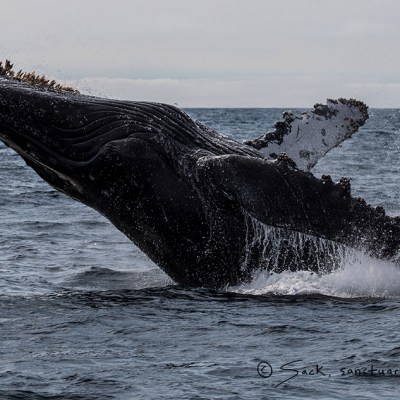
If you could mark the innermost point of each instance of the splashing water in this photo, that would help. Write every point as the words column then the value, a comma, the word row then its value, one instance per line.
column 271, row 247
column 344, row 272
column 358, row 275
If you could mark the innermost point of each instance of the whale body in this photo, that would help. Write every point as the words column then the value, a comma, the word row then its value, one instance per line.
column 206, row 209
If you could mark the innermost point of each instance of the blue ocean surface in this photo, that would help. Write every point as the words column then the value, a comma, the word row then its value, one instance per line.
column 84, row 314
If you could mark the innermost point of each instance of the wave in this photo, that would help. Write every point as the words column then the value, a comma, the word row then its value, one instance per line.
column 97, row 278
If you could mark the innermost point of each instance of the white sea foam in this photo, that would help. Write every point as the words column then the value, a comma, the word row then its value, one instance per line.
column 358, row 276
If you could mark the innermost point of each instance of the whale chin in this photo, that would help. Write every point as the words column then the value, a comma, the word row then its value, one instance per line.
column 207, row 209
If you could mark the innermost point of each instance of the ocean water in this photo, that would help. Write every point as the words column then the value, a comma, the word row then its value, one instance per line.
column 85, row 315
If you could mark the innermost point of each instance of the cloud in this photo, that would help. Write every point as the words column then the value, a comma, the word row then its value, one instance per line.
column 274, row 91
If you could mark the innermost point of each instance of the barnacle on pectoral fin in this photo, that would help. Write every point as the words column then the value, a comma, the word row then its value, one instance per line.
column 32, row 78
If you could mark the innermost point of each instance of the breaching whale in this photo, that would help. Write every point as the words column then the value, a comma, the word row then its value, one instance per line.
column 207, row 209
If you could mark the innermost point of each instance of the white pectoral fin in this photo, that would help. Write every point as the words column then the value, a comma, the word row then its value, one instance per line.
column 308, row 137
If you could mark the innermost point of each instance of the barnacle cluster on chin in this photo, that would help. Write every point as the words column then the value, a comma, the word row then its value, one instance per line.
column 32, row 78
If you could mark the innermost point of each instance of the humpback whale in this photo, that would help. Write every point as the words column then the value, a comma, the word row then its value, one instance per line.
column 205, row 208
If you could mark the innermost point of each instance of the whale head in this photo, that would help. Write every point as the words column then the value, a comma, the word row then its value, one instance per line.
column 63, row 135
column 130, row 162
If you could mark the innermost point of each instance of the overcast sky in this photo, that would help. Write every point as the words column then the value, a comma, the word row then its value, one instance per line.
column 212, row 53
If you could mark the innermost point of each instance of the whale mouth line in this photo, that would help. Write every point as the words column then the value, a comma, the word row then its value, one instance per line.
column 34, row 148
column 32, row 160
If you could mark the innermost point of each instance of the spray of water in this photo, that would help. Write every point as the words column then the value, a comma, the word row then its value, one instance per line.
column 344, row 272
column 358, row 276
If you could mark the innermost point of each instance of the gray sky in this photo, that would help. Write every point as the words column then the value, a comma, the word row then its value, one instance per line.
column 212, row 53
